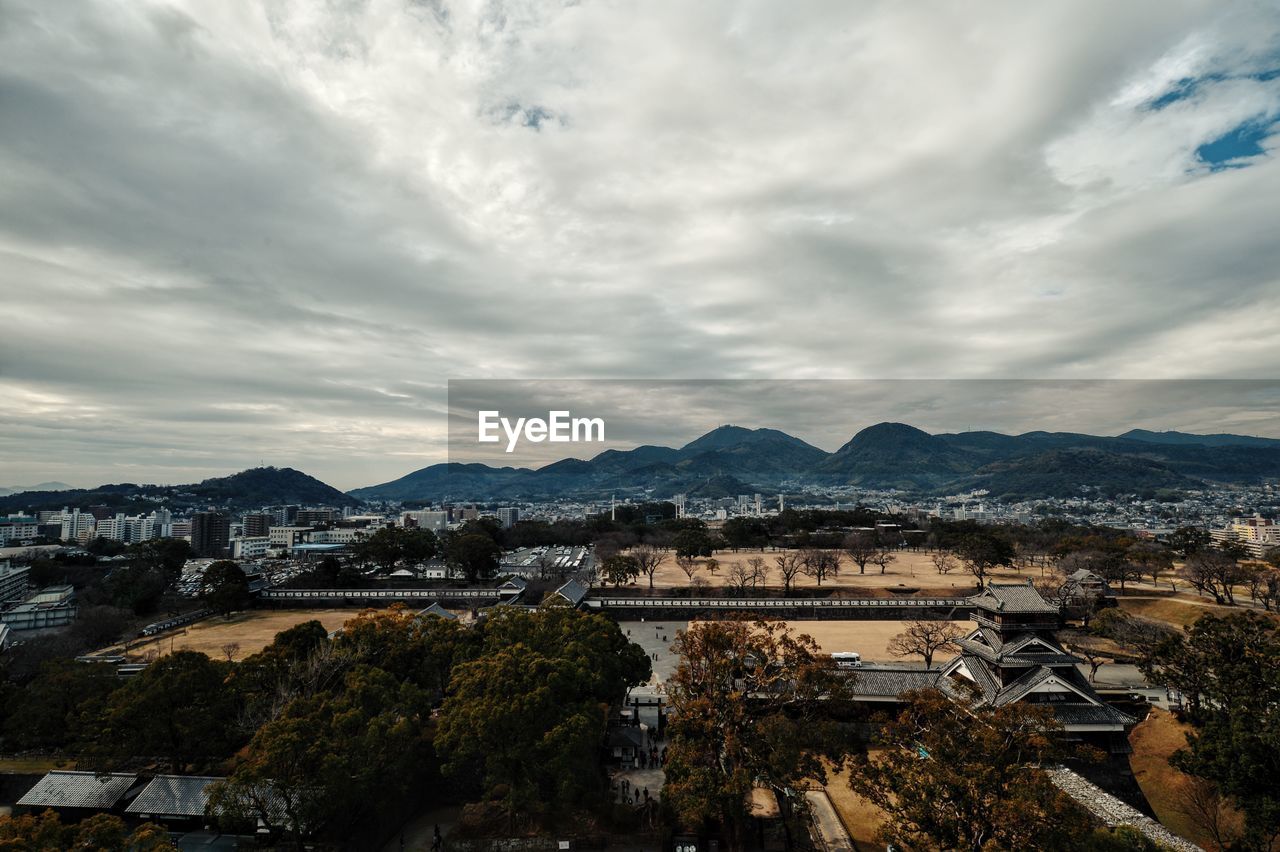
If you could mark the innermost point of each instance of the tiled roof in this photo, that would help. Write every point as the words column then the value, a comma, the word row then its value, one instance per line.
column 436, row 609
column 572, row 591
column 68, row 789
column 890, row 681
column 1091, row 714
column 1013, row 597
column 173, row 795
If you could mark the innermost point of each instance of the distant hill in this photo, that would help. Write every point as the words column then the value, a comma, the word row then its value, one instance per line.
column 1185, row 439
column 1071, row 473
column 260, row 486
column 265, row 486
column 43, row 486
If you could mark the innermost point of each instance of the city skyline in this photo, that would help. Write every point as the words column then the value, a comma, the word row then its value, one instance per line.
column 242, row 235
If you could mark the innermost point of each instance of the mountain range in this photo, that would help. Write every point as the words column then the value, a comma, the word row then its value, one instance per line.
column 733, row 460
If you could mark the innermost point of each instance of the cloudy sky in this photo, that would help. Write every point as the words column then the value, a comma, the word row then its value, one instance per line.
column 242, row 232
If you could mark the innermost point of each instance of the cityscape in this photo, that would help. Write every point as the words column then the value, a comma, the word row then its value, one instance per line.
column 456, row 426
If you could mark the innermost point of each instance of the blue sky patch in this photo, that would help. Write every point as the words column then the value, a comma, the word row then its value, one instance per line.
column 1228, row 150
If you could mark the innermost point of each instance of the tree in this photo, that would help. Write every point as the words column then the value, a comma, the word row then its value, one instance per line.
column 1203, row 804
column 739, row 577
column 982, row 550
column 1090, row 647
column 944, row 561
column 329, row 758
column 789, row 565
column 648, row 558
column 861, row 547
column 100, row 831
column 960, row 774
column 476, row 556
column 688, row 565
column 759, row 571
column 1215, row 572
column 529, row 713
column 47, row 712
column 1228, row 668
column 225, row 587
column 1189, row 540
column 1150, row 559
column 751, row 704
column 924, row 639
column 820, row 564
column 691, row 543
column 620, row 570
column 883, row 557
column 179, row 709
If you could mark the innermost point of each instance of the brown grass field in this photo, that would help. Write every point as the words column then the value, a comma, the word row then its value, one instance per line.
column 1179, row 611
column 868, row 638
column 910, row 568
column 1157, row 737
column 252, row 630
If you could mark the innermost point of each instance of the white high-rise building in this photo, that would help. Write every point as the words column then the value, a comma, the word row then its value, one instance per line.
column 507, row 516
column 680, row 504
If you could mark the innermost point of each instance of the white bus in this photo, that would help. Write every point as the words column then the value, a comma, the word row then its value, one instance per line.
column 847, row 659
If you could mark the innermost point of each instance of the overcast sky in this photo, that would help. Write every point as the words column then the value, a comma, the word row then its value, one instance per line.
column 243, row 232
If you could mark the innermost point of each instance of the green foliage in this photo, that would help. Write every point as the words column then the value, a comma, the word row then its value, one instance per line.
column 1229, row 670
column 692, row 543
column 389, row 546
column 475, row 555
column 47, row 712
column 226, row 588
column 179, row 709
column 527, row 717
column 329, row 759
column 620, row 569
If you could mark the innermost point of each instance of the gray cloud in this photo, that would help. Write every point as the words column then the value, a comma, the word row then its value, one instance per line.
column 241, row 233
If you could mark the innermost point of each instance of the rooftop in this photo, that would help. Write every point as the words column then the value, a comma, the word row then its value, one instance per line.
column 70, row 789
column 1013, row 598
column 173, row 795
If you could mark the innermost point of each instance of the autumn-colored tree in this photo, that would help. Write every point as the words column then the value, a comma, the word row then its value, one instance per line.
column 961, row 774
column 45, row 831
column 924, row 639
column 752, row 705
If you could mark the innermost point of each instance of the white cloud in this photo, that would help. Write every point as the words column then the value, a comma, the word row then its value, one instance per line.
column 237, row 232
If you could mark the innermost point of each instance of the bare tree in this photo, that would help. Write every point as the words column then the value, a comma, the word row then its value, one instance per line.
column 944, row 561
column 688, row 565
column 1202, row 802
column 739, row 577
column 230, row 649
column 882, row 557
column 1093, row 650
column 820, row 564
column 789, row 565
column 648, row 558
column 759, row 571
column 861, row 547
column 1214, row 572
column 924, row 639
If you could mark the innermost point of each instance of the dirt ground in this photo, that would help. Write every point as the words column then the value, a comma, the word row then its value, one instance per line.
column 909, row 568
column 861, row 818
column 251, row 631
column 1157, row 737
column 868, row 638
